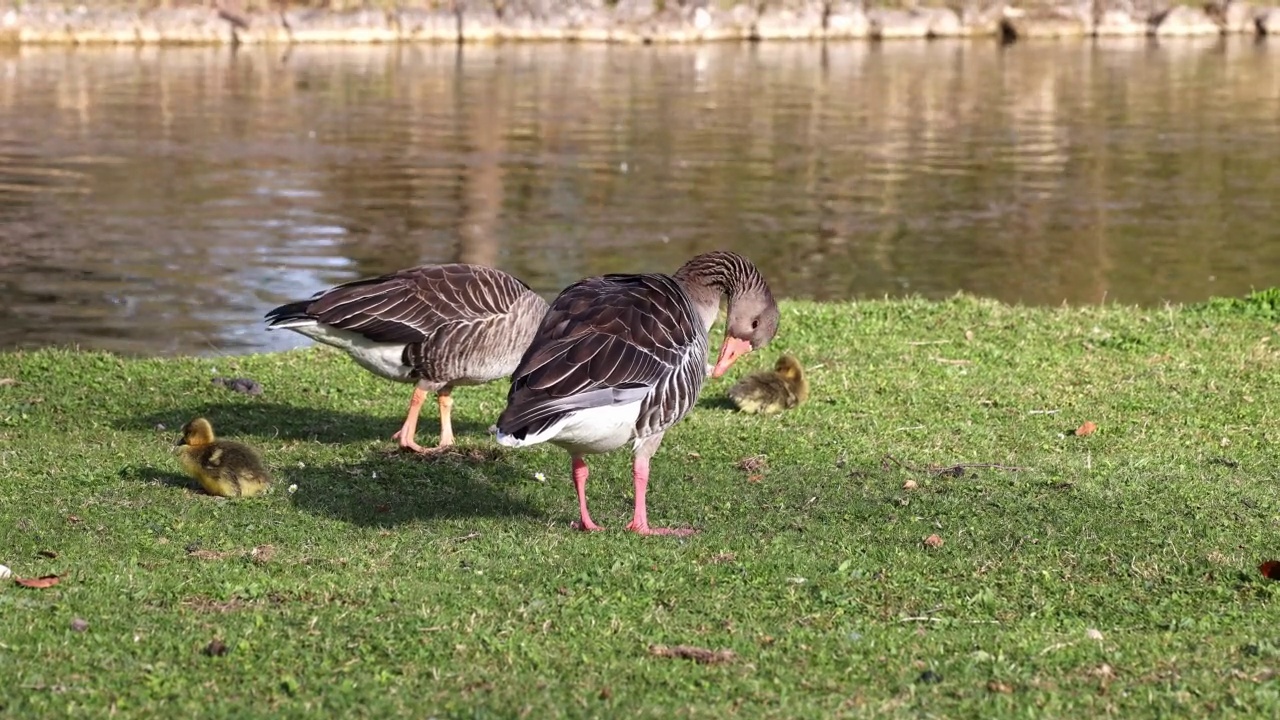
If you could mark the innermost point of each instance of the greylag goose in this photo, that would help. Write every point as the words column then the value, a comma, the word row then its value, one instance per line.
column 622, row 358
column 438, row 326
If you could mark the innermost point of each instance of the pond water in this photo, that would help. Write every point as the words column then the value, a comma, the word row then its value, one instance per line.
column 159, row 201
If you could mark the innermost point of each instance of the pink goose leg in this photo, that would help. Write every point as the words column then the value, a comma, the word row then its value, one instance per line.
column 580, row 484
column 640, row 471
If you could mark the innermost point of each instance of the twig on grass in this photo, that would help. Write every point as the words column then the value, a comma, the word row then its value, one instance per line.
column 957, row 469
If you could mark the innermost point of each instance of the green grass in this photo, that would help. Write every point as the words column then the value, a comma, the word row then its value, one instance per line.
column 454, row 587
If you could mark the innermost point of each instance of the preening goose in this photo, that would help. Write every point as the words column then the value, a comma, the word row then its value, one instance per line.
column 622, row 358
column 438, row 326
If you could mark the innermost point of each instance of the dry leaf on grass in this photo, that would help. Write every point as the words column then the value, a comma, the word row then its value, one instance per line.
column 755, row 478
column 1270, row 570
column 262, row 554
column 216, row 648
column 6, row 382
column 753, row 463
column 933, row 541
column 47, row 553
column 996, row 686
column 696, row 654
column 1087, row 428
column 73, row 519
column 910, row 485
column 40, row 582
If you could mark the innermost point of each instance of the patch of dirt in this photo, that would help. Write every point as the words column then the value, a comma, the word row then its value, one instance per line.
column 202, row 604
column 211, row 554
column 696, row 654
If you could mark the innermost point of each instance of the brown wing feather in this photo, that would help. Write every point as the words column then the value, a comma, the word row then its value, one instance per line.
column 604, row 340
column 412, row 305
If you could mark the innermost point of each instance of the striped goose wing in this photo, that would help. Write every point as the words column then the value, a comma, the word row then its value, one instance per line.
column 413, row 305
column 604, row 341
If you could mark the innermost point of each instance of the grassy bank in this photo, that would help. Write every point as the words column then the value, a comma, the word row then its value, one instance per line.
column 1113, row 572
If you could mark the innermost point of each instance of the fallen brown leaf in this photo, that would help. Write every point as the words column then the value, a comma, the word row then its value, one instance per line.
column 605, row 693
column 1270, row 570
column 262, row 554
column 1087, row 428
column 696, row 654
column 724, row 557
column 73, row 519
column 216, row 648
column 933, row 541
column 996, row 686
column 910, row 485
column 39, row 583
column 6, row 382
column 753, row 463
column 383, row 508
column 756, row 477
column 47, row 553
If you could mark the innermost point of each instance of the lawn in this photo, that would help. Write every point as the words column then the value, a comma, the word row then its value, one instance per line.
column 1108, row 572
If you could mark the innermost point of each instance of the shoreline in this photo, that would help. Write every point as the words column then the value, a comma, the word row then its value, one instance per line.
column 618, row 23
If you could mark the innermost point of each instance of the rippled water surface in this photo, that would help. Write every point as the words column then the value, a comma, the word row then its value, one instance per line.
column 160, row 201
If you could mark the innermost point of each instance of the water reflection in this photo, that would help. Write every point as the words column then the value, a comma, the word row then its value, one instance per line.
column 160, row 200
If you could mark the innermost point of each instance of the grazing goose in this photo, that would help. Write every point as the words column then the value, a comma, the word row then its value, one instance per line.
column 439, row 326
column 622, row 358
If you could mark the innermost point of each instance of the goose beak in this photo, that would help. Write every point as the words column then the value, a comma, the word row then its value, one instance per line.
column 732, row 349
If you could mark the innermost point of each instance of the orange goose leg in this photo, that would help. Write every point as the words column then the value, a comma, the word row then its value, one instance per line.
column 580, row 484
column 410, row 427
column 405, row 435
column 445, row 401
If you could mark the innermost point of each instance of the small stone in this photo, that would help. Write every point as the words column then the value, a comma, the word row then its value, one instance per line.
column 1093, row 634
column 929, row 677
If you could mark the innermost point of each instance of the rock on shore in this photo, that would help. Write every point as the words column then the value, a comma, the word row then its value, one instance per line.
column 628, row 21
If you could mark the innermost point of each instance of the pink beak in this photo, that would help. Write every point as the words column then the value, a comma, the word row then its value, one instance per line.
column 732, row 349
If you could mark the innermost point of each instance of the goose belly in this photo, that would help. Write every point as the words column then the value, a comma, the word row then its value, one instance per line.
column 597, row 430
column 382, row 359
